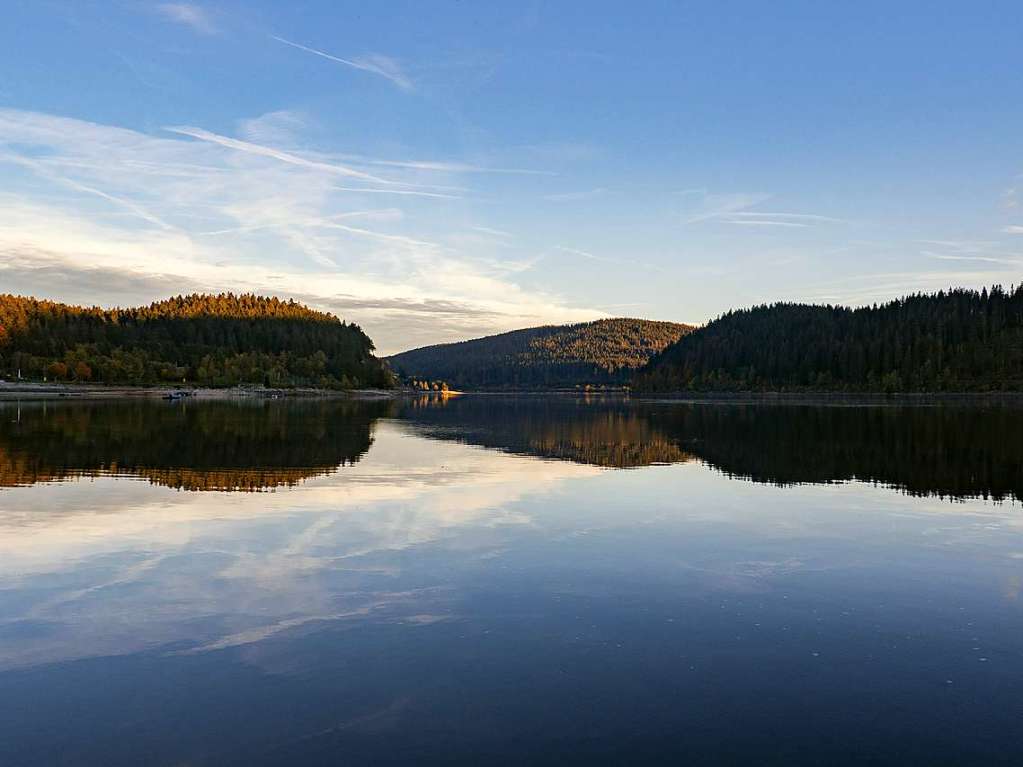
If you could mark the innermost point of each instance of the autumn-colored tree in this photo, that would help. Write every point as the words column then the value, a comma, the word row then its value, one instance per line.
column 56, row 370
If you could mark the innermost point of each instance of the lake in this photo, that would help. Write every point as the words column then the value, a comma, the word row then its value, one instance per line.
column 510, row 580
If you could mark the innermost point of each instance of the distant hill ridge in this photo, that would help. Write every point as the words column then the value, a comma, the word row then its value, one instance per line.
column 601, row 352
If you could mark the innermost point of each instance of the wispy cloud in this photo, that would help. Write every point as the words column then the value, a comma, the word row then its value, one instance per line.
column 491, row 231
column 734, row 210
column 399, row 239
column 974, row 251
column 863, row 289
column 375, row 63
column 981, row 259
column 413, row 193
column 332, row 167
column 764, row 222
column 129, row 205
column 584, row 254
column 384, row 214
column 977, row 251
column 963, row 246
column 712, row 206
column 587, row 194
column 99, row 214
column 605, row 259
column 282, row 126
column 791, row 220
column 277, row 154
column 446, row 167
column 190, row 15
column 1013, row 230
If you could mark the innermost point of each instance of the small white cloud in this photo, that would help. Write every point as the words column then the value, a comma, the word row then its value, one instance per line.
column 1013, row 230
column 190, row 15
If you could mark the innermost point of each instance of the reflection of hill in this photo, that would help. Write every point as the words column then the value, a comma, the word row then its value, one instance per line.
column 954, row 451
column 192, row 446
column 945, row 450
column 599, row 432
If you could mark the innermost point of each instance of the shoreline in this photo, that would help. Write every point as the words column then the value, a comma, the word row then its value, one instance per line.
column 10, row 391
column 832, row 398
column 24, row 390
column 766, row 397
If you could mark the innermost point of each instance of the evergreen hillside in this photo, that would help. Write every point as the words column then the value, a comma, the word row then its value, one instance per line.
column 596, row 353
column 216, row 340
column 957, row 340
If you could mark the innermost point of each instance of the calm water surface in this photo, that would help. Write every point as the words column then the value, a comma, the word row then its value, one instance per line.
column 499, row 580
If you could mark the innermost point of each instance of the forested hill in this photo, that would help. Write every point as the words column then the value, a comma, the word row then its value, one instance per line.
column 216, row 340
column 598, row 353
column 957, row 340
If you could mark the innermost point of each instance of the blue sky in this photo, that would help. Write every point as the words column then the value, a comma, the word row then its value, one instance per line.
column 437, row 171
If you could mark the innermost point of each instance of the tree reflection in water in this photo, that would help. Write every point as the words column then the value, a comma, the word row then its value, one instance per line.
column 224, row 446
column 948, row 450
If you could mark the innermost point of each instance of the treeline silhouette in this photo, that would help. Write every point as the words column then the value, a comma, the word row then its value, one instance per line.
column 596, row 353
column 951, row 451
column 213, row 340
column 957, row 340
column 224, row 446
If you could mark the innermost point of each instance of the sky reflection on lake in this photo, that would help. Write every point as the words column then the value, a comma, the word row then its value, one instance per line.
column 464, row 587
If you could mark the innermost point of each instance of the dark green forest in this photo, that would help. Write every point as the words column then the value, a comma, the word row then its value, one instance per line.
column 213, row 340
column 604, row 352
column 956, row 340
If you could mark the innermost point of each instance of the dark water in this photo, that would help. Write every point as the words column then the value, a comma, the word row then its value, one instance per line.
column 496, row 580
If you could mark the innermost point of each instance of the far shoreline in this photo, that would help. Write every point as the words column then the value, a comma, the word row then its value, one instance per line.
column 34, row 391
column 28, row 390
column 764, row 397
